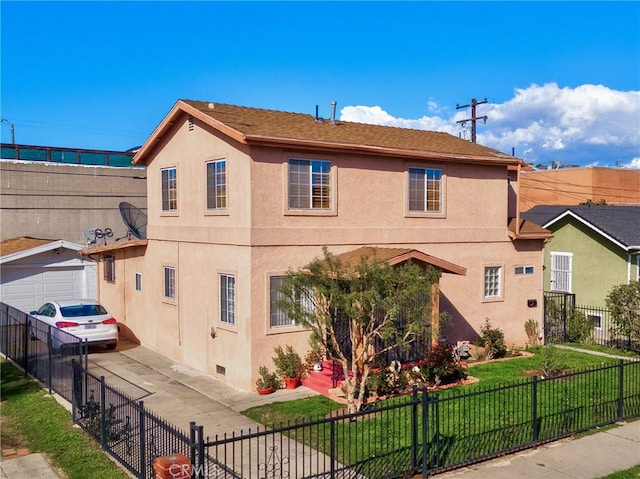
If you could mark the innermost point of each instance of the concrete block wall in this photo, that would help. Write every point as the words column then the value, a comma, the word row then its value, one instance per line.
column 61, row 201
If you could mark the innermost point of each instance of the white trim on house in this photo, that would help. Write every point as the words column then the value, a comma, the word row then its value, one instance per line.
column 41, row 249
column 589, row 225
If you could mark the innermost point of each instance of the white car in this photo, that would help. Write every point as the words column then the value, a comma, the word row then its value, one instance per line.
column 84, row 318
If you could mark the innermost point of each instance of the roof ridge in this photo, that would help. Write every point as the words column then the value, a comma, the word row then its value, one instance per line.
column 247, row 107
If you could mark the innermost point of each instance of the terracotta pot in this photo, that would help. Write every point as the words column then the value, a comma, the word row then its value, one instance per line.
column 291, row 383
column 264, row 390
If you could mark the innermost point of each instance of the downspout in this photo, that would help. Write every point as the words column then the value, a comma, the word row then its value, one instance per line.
column 177, row 285
column 518, row 200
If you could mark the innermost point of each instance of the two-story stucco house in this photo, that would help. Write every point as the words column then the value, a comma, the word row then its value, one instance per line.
column 237, row 196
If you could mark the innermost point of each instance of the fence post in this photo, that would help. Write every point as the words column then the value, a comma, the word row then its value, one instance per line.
column 620, row 389
column 534, row 409
column 103, row 416
column 74, row 392
column 192, row 442
column 414, row 428
column 25, row 343
column 564, row 319
column 143, row 442
column 332, row 446
column 425, row 430
column 49, row 358
column 201, row 464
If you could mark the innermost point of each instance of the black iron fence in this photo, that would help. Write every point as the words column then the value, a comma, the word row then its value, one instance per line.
column 564, row 321
column 44, row 352
column 124, row 427
column 428, row 433
column 75, row 156
column 418, row 434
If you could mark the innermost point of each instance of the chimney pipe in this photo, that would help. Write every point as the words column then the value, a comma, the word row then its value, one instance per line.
column 333, row 112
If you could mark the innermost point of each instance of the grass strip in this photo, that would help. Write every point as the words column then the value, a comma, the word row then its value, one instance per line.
column 36, row 421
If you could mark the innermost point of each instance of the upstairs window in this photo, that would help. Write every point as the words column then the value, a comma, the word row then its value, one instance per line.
column 425, row 190
column 169, row 190
column 217, row 185
column 309, row 184
column 110, row 268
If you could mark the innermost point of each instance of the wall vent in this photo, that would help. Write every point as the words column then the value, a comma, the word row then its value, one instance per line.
column 221, row 370
column 190, row 122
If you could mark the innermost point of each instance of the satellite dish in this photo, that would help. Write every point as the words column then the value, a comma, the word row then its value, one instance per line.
column 135, row 219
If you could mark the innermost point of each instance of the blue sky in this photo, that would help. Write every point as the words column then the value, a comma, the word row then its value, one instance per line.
column 562, row 80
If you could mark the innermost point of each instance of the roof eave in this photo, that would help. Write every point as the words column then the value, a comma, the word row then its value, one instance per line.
column 169, row 120
column 444, row 266
column 260, row 140
column 113, row 247
column 40, row 249
column 589, row 225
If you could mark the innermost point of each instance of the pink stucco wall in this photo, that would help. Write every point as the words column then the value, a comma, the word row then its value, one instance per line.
column 256, row 237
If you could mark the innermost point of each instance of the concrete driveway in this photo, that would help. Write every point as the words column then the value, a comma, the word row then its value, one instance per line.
column 180, row 394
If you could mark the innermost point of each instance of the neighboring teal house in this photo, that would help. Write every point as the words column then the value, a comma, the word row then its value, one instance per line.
column 593, row 249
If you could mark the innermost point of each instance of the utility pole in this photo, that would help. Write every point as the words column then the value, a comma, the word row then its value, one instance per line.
column 473, row 118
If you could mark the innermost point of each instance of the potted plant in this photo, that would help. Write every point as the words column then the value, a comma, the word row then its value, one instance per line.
column 289, row 366
column 314, row 357
column 267, row 382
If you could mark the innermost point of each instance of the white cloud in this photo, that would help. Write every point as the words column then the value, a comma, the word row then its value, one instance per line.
column 635, row 163
column 584, row 125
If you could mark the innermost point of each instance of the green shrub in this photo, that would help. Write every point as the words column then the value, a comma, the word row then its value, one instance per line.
column 579, row 328
column 533, row 331
column 440, row 366
column 492, row 339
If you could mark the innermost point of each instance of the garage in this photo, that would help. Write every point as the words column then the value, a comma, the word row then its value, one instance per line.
column 35, row 271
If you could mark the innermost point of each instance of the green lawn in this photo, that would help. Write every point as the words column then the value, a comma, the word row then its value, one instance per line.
column 633, row 473
column 33, row 419
column 466, row 422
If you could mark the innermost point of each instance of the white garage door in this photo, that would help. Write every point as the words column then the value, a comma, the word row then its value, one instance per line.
column 28, row 288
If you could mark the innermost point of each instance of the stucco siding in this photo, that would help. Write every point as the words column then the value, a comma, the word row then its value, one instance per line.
column 256, row 236
column 597, row 264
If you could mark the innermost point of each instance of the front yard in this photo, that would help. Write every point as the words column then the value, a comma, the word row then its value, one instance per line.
column 505, row 411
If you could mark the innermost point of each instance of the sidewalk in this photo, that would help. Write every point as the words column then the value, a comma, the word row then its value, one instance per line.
column 589, row 457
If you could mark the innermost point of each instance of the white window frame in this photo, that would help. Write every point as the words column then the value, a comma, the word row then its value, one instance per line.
column 275, row 312
column 217, row 185
column 488, row 290
column 420, row 187
column 561, row 271
column 591, row 316
column 308, row 181
column 169, row 282
column 227, row 289
column 169, row 189
column 524, row 270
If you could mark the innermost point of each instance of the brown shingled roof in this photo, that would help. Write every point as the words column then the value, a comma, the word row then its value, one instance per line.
column 528, row 230
column 15, row 245
column 392, row 256
column 277, row 128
